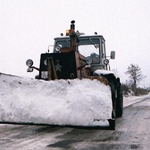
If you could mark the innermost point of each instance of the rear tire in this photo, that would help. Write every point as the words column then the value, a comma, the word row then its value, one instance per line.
column 119, row 110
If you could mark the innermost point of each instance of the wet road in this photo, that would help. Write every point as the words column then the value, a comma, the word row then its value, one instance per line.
column 132, row 133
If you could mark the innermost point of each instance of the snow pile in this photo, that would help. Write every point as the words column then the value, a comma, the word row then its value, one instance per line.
column 64, row 102
column 100, row 71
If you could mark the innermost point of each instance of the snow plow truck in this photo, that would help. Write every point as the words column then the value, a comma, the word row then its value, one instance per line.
column 78, row 56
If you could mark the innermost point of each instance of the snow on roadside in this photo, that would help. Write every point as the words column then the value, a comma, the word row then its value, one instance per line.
column 64, row 102
column 133, row 99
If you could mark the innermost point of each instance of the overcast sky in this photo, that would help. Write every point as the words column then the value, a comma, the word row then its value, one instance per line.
column 27, row 27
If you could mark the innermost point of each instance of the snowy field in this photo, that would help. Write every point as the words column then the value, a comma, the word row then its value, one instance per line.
column 65, row 102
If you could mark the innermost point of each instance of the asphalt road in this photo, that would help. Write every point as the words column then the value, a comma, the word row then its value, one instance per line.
column 132, row 133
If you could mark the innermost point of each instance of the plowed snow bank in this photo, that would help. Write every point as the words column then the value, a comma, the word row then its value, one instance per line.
column 64, row 102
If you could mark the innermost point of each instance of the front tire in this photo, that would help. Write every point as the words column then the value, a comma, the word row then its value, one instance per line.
column 112, row 121
column 119, row 100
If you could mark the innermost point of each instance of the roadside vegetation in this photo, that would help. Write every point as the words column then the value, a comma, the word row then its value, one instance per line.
column 128, row 90
column 131, row 86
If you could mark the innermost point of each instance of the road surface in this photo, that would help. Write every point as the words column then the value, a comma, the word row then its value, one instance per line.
column 132, row 133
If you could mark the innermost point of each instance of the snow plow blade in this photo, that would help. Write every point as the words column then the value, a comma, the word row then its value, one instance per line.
column 57, row 102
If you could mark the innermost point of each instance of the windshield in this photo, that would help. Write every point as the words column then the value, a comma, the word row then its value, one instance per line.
column 87, row 46
column 87, row 50
column 63, row 43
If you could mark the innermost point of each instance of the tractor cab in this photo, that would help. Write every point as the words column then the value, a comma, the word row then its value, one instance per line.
column 74, row 56
column 91, row 47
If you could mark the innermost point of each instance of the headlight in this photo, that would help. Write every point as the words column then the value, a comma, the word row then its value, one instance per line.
column 106, row 61
column 58, row 48
column 29, row 62
column 88, row 60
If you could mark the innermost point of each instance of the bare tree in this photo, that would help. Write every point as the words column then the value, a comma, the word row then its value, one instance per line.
column 135, row 75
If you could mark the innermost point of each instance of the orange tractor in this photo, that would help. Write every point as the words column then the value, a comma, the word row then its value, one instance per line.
column 79, row 56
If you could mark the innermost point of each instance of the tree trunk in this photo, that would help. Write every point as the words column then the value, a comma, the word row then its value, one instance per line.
column 134, row 88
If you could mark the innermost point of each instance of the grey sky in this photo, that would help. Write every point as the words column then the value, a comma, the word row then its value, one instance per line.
column 27, row 27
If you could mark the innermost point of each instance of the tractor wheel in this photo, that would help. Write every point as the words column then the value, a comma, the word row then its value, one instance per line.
column 119, row 101
column 119, row 108
column 112, row 121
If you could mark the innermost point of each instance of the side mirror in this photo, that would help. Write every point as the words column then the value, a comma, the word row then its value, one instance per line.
column 112, row 55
